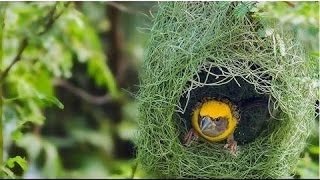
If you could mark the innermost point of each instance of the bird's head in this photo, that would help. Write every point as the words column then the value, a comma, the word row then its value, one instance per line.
column 214, row 120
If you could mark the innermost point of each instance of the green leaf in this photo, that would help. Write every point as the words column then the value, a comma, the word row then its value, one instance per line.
column 314, row 149
column 16, row 135
column 42, row 97
column 8, row 172
column 50, row 99
column 101, row 73
column 19, row 160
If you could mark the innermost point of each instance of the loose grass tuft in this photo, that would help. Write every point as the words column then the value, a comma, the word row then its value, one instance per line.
column 188, row 37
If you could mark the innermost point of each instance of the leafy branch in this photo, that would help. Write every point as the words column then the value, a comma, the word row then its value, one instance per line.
column 22, row 46
column 50, row 18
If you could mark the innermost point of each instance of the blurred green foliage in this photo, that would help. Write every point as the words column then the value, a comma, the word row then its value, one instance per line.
column 52, row 129
column 31, row 148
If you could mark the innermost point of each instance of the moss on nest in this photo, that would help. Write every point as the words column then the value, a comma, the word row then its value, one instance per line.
column 189, row 37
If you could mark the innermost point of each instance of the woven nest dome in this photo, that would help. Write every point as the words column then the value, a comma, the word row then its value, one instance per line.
column 200, row 50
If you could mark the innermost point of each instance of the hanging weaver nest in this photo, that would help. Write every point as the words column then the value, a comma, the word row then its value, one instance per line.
column 199, row 50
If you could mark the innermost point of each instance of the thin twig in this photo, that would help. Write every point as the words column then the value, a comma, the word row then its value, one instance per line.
column 97, row 100
column 122, row 8
column 134, row 169
column 51, row 18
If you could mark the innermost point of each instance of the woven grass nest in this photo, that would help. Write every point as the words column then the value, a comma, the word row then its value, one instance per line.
column 206, row 49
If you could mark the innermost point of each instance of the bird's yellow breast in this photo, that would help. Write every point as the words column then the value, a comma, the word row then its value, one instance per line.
column 215, row 109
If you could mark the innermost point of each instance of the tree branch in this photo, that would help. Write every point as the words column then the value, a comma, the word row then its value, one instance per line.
column 25, row 41
column 134, row 170
column 22, row 46
column 97, row 100
column 116, row 40
column 122, row 8
column 291, row 4
column 116, row 60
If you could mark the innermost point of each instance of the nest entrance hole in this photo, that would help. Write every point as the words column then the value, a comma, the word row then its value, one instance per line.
column 252, row 106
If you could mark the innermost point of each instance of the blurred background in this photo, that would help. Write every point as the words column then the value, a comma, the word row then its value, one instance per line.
column 68, row 98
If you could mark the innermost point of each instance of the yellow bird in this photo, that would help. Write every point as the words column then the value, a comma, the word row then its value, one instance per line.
column 214, row 120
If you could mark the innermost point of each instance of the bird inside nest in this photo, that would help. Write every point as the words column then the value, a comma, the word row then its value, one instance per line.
column 214, row 120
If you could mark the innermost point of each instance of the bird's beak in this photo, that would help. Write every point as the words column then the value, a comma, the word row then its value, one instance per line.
column 206, row 123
